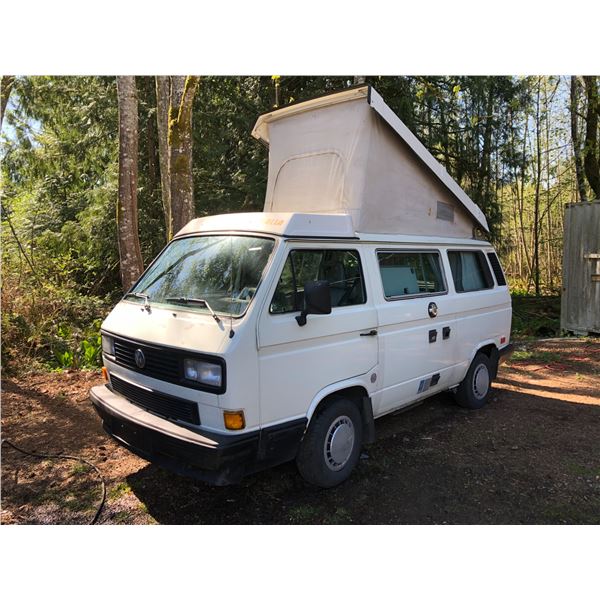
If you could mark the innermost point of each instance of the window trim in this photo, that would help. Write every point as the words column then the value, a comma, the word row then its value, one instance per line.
column 412, row 251
column 300, row 249
column 488, row 254
column 481, row 260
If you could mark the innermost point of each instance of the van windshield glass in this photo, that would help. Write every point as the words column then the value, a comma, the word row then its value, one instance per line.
column 217, row 273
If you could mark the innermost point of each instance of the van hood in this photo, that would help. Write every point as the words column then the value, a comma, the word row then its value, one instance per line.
column 185, row 329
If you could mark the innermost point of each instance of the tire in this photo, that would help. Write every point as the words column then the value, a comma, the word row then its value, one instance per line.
column 474, row 390
column 321, row 460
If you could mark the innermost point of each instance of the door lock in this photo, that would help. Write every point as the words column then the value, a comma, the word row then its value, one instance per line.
column 432, row 310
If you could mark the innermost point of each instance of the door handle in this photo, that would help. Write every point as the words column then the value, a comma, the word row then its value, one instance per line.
column 372, row 332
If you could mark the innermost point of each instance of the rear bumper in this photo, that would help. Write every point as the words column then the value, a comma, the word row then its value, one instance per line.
column 215, row 458
column 505, row 353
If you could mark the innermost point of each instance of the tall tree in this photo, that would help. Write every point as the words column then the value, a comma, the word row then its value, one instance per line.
column 183, row 90
column 163, row 93
column 6, row 83
column 577, row 153
column 591, row 161
column 127, row 210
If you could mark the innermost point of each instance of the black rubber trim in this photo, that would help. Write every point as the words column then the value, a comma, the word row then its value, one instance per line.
column 164, row 405
column 223, row 460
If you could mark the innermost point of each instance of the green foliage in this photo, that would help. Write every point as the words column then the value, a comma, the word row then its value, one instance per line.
column 535, row 317
column 60, row 260
column 48, row 325
column 535, row 356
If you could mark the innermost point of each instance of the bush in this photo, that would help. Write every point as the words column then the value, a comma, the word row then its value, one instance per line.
column 43, row 325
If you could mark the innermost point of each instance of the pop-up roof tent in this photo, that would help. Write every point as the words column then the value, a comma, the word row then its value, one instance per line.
column 349, row 153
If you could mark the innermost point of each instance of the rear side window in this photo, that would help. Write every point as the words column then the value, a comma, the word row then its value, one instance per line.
column 341, row 268
column 410, row 273
column 496, row 268
column 470, row 271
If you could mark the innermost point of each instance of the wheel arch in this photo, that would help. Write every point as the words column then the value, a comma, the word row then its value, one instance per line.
column 353, row 390
column 490, row 349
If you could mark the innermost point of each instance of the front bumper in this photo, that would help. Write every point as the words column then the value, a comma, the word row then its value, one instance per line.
column 216, row 458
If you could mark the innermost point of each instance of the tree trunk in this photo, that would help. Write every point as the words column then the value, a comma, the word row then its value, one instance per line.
column 151, row 136
column 591, row 161
column 6, row 83
column 183, row 90
column 536, row 205
column 575, row 138
column 127, row 211
column 163, row 92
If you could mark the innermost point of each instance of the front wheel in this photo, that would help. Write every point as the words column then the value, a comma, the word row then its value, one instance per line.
column 331, row 447
column 474, row 389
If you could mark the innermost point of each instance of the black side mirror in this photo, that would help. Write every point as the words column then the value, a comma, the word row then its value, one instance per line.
column 317, row 300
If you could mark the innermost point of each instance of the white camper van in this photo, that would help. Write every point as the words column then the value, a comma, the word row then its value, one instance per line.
column 255, row 339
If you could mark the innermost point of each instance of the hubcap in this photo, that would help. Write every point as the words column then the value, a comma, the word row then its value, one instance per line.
column 339, row 443
column 481, row 382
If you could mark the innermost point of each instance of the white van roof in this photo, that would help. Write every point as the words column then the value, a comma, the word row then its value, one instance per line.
column 299, row 225
column 349, row 153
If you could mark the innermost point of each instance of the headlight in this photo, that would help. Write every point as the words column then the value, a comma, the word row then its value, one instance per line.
column 108, row 345
column 203, row 372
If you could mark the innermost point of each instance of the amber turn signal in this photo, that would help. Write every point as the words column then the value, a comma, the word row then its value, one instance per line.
column 104, row 374
column 234, row 419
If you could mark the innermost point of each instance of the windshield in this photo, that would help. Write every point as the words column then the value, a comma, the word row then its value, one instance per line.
column 221, row 270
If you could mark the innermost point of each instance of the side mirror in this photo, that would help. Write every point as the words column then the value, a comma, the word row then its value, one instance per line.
column 317, row 300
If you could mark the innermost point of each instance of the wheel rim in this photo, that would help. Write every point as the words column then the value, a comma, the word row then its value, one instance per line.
column 481, row 382
column 339, row 443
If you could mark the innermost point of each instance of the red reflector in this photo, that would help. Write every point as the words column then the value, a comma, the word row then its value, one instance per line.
column 502, row 340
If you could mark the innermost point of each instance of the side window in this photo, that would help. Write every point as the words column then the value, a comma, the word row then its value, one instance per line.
column 496, row 268
column 410, row 273
column 340, row 267
column 470, row 271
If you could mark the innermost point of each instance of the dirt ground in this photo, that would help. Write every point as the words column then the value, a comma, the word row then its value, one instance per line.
column 532, row 455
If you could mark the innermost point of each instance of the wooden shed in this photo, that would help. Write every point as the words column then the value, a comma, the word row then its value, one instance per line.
column 580, row 304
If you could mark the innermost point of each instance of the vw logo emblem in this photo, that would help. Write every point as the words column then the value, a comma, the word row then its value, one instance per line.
column 140, row 359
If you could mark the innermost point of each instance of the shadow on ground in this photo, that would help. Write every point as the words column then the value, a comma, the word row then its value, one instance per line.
column 523, row 459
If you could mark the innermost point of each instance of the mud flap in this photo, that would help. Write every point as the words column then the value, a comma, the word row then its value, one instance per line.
column 368, row 420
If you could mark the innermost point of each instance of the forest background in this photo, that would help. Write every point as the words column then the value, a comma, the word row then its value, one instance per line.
column 98, row 172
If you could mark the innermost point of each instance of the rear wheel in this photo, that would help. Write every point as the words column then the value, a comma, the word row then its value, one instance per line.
column 331, row 447
column 474, row 390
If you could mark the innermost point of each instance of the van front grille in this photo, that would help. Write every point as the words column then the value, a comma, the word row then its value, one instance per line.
column 153, row 401
column 159, row 363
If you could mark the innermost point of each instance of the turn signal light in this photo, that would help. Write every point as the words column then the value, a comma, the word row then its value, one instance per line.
column 234, row 419
column 104, row 374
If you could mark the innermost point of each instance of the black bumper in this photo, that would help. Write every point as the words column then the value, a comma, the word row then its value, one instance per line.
column 211, row 457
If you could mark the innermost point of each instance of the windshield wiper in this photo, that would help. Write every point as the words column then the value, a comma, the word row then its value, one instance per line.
column 199, row 301
column 145, row 297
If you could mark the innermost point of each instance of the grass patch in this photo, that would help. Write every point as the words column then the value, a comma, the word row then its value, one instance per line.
column 583, row 471
column 80, row 469
column 122, row 517
column 80, row 500
column 340, row 517
column 121, row 489
column 571, row 514
column 535, row 356
column 303, row 514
